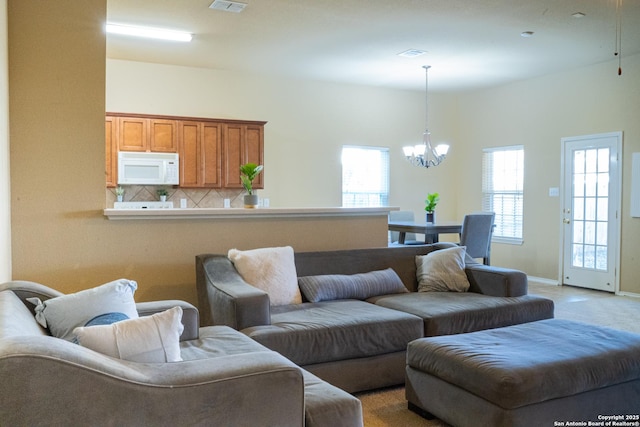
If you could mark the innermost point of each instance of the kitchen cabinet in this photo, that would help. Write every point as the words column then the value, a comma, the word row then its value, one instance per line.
column 143, row 134
column 211, row 150
column 111, row 151
column 243, row 143
column 200, row 154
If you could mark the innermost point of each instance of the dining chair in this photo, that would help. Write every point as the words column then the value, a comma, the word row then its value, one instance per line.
column 476, row 232
column 410, row 238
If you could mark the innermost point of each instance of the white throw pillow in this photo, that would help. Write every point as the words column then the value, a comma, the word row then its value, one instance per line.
column 149, row 339
column 442, row 271
column 107, row 303
column 271, row 269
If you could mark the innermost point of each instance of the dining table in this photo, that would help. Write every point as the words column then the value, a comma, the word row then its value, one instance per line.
column 430, row 230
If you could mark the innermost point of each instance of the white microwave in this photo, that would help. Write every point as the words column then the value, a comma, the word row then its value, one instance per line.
column 148, row 168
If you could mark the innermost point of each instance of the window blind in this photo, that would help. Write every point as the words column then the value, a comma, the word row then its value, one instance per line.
column 365, row 176
column 502, row 190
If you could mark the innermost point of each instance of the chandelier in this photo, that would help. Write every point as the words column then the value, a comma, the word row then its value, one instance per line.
column 425, row 155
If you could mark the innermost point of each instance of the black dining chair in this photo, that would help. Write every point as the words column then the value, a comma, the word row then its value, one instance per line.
column 476, row 232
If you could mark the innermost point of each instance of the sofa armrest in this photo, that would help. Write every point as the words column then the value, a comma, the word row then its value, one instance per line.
column 224, row 298
column 190, row 317
column 25, row 289
column 496, row 281
column 92, row 388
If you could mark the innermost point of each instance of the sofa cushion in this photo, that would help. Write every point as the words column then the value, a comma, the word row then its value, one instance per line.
column 351, row 286
column 149, row 339
column 446, row 313
column 324, row 404
column 103, row 304
column 271, row 269
column 327, row 405
column 442, row 270
column 327, row 331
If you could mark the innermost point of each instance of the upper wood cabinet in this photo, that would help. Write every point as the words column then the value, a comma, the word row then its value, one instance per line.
column 143, row 134
column 211, row 150
column 243, row 143
column 200, row 154
column 111, row 151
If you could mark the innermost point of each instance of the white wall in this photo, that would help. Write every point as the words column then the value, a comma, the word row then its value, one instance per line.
column 537, row 113
column 308, row 122
column 5, row 184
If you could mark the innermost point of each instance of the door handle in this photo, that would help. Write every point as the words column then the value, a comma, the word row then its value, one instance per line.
column 566, row 221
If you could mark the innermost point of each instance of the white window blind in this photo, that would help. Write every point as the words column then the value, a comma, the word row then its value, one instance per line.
column 502, row 190
column 365, row 176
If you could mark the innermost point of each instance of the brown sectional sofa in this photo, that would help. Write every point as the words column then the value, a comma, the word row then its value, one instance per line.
column 361, row 344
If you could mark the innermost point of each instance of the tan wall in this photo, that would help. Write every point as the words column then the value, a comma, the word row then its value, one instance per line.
column 537, row 114
column 59, row 234
column 5, row 184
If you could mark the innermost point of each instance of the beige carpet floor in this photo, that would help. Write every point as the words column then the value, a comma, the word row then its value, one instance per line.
column 388, row 407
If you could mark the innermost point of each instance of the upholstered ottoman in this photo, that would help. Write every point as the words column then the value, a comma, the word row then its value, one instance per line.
column 531, row 374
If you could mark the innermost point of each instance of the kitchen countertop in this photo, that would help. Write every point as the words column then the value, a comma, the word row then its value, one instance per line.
column 239, row 213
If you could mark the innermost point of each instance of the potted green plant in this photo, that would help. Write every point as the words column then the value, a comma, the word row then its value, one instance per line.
column 162, row 193
column 119, row 193
column 430, row 206
column 249, row 172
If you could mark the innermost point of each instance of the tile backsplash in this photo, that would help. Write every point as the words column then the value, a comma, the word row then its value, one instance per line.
column 196, row 197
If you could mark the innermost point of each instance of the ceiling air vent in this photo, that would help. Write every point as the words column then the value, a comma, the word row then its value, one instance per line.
column 228, row 6
column 412, row 53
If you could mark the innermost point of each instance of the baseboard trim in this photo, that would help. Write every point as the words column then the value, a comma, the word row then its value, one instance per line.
column 552, row 282
column 543, row 281
column 628, row 294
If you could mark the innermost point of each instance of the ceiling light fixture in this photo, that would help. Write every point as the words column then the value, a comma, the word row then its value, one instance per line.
column 526, row 34
column 425, row 155
column 147, row 32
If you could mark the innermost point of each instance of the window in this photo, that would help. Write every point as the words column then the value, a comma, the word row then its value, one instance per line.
column 365, row 176
column 502, row 191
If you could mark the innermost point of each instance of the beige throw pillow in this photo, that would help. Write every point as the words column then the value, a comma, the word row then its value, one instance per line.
column 442, row 271
column 149, row 339
column 271, row 269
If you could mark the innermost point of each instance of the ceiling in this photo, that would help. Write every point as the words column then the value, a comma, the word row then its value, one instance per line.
column 470, row 44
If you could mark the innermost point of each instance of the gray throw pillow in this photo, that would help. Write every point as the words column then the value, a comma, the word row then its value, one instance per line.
column 104, row 304
column 355, row 286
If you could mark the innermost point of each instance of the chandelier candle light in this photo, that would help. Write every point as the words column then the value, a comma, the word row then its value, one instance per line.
column 425, row 155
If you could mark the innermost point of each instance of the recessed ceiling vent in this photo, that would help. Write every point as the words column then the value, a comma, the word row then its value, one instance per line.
column 412, row 53
column 228, row 6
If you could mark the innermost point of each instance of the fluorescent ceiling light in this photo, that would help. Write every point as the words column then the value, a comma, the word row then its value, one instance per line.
column 154, row 33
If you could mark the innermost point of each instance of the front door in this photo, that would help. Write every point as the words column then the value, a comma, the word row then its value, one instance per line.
column 591, row 205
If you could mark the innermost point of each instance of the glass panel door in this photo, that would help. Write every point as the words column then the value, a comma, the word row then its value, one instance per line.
column 589, row 213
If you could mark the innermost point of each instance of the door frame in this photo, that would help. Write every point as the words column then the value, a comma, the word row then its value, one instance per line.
column 563, row 141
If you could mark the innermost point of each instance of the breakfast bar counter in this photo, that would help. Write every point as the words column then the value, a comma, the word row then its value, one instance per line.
column 239, row 213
